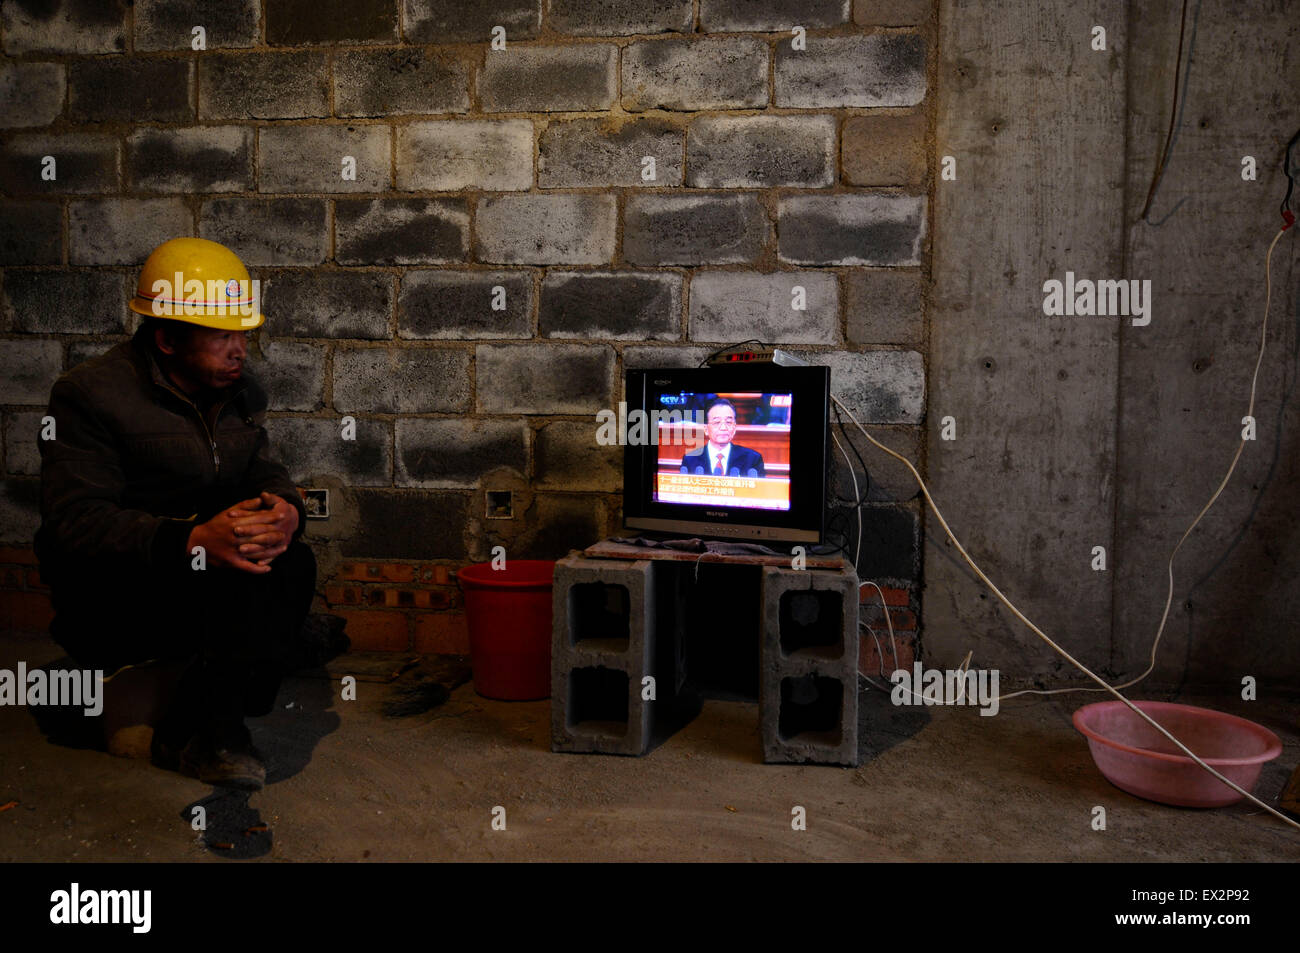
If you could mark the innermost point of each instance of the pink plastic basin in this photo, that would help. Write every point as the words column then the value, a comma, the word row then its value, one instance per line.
column 1136, row 758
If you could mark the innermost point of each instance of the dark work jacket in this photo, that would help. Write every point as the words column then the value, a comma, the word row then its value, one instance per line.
column 741, row 459
column 134, row 466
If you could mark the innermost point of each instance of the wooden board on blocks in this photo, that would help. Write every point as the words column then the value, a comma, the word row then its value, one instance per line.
column 607, row 549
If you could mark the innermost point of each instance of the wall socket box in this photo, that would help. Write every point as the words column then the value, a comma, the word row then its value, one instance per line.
column 500, row 505
column 317, row 503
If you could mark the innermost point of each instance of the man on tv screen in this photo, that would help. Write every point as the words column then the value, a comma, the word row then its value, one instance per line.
column 721, row 457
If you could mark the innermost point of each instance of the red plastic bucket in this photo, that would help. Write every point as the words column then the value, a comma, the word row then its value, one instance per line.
column 509, row 616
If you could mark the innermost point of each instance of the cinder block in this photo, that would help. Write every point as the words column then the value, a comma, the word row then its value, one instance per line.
column 620, row 17
column 886, row 69
column 895, row 530
column 470, row 21
column 543, row 378
column 290, row 85
column 408, row 524
column 851, row 229
column 603, row 625
column 885, row 150
column 67, row 26
column 393, row 82
column 169, row 24
column 616, row 639
column 599, row 713
column 690, row 74
column 809, row 682
column 738, row 305
column 458, row 305
column 123, row 231
column 442, row 454
column 583, row 76
column 82, row 351
column 22, row 436
column 20, row 513
column 588, row 152
column 892, row 12
column 714, row 229
column 329, row 304
column 65, row 302
column 401, row 380
column 400, row 231
column 131, row 89
column 771, row 15
column 31, row 232
column 567, row 457
column 296, row 22
column 191, row 160
column 555, row 524
column 31, row 94
column 881, row 387
column 884, row 307
column 891, row 482
column 284, row 231
column 569, row 229
column 730, row 152
column 82, row 162
column 626, row 306
column 311, row 447
column 448, row 155
column 662, row 356
column 317, row 158
column 292, row 374
column 28, row 370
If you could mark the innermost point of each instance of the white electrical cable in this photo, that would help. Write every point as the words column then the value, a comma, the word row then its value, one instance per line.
column 1043, row 635
column 893, row 647
column 1169, row 598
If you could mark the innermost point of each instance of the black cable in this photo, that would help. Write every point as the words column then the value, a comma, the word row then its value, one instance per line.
column 866, row 474
column 1173, row 118
column 830, row 547
column 1286, row 168
column 839, row 514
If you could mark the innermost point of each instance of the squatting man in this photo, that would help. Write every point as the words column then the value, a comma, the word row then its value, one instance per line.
column 169, row 531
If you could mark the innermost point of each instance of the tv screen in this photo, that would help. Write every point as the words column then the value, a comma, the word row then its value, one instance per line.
column 739, row 454
column 735, row 451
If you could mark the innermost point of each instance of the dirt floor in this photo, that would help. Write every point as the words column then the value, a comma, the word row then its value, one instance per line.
column 348, row 783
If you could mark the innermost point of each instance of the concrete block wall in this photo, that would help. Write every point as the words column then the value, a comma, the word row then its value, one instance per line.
column 516, row 176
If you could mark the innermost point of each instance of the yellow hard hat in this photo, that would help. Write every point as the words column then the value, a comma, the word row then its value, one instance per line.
column 198, row 282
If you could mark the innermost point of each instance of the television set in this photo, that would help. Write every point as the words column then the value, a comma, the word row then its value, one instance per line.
column 735, row 451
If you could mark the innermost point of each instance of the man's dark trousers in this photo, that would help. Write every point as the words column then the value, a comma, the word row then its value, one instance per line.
column 239, row 628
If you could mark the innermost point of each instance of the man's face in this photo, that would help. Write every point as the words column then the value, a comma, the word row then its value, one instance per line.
column 211, row 358
column 720, row 424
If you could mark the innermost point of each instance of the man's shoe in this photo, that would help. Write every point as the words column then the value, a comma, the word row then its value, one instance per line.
column 226, row 765
column 231, row 765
